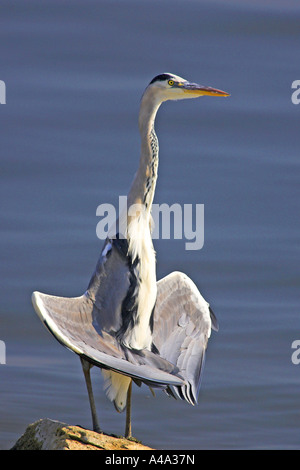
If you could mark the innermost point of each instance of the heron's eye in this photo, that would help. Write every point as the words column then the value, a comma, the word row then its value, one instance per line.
column 171, row 82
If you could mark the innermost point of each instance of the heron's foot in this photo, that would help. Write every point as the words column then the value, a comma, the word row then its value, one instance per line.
column 129, row 438
column 97, row 429
column 133, row 439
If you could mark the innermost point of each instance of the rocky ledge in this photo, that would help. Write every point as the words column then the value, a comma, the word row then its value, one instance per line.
column 47, row 434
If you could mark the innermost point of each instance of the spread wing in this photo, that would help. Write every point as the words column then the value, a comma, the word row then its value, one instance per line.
column 86, row 324
column 182, row 327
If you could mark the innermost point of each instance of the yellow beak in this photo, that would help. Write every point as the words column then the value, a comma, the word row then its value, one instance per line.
column 199, row 90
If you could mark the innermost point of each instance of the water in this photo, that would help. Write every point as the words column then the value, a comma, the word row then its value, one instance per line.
column 74, row 73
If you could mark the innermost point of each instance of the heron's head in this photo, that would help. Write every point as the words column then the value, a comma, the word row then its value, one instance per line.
column 168, row 86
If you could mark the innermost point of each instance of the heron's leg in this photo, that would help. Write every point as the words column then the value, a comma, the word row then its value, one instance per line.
column 86, row 366
column 128, row 412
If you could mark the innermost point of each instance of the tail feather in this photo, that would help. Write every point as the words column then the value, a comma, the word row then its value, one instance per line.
column 116, row 388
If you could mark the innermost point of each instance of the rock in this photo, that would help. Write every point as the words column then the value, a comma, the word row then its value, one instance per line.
column 47, row 434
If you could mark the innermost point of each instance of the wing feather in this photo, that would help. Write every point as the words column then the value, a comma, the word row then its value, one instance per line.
column 182, row 327
column 182, row 324
column 70, row 320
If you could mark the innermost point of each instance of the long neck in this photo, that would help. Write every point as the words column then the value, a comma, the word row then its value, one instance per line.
column 143, row 187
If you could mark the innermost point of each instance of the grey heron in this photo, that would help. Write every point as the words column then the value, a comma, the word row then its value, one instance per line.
column 126, row 323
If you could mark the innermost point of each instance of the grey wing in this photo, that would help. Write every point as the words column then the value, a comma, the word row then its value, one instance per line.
column 182, row 327
column 86, row 324
column 109, row 285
